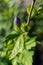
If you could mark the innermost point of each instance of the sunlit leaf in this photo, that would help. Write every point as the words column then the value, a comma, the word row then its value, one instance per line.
column 27, row 57
column 18, row 48
column 31, row 43
column 28, row 9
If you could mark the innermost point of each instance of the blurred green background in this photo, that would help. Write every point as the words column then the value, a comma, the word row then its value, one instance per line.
column 8, row 10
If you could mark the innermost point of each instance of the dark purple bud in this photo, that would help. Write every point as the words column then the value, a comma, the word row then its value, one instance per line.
column 17, row 21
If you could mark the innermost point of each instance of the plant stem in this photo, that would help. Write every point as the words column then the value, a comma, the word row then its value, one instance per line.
column 29, row 16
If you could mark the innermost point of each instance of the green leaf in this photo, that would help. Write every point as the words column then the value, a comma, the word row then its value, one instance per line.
column 24, row 27
column 14, row 61
column 11, row 36
column 33, row 11
column 31, row 43
column 17, row 29
column 27, row 57
column 28, row 9
column 18, row 48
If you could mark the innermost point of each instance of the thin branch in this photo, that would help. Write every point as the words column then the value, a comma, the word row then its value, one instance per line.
column 28, row 20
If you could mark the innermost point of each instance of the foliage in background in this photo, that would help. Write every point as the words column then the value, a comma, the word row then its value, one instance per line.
column 17, row 44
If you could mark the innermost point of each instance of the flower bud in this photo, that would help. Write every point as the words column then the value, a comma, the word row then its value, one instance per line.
column 17, row 21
